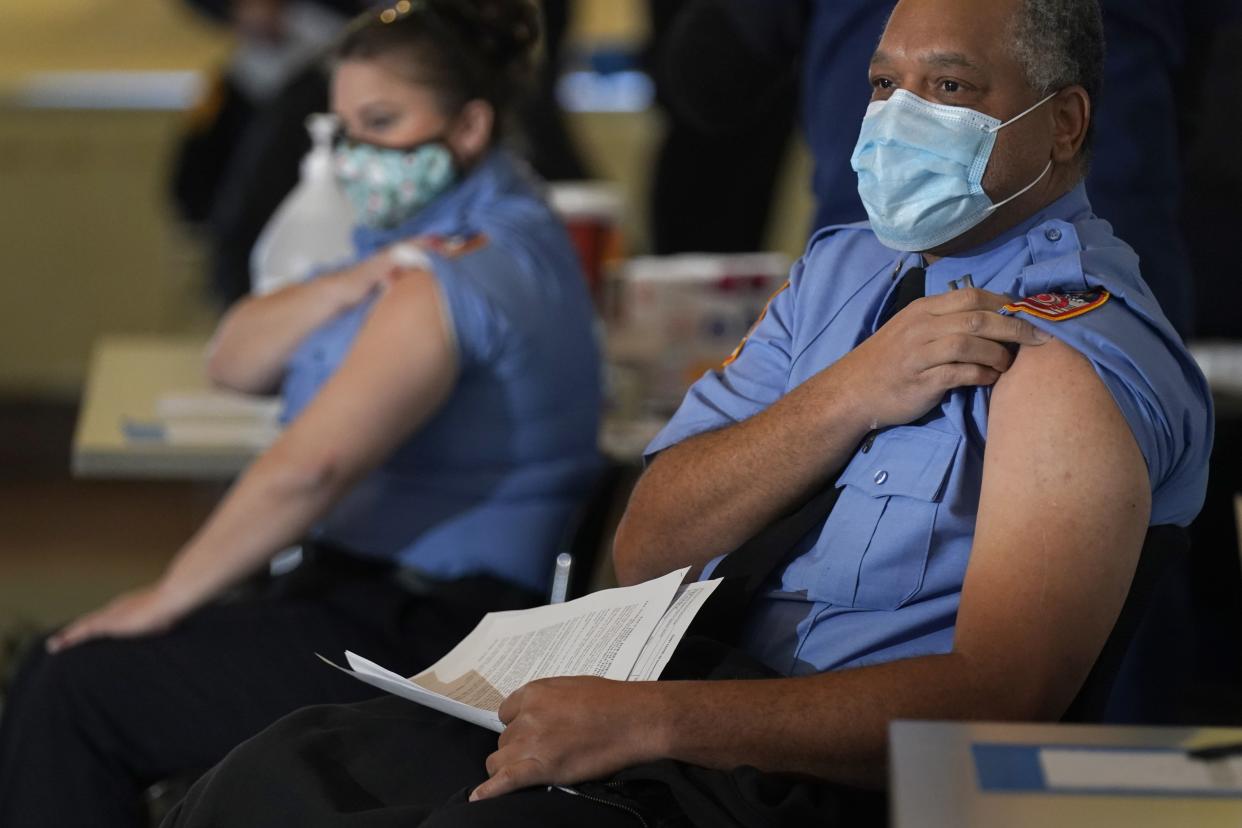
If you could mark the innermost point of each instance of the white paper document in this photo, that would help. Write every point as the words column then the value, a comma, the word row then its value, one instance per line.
column 627, row 633
column 673, row 624
column 256, row 436
column 216, row 404
column 208, row 418
column 1163, row 771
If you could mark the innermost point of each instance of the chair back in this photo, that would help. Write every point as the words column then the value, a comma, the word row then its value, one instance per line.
column 579, row 551
column 1165, row 552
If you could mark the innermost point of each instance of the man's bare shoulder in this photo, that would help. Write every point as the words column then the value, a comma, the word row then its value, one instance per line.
column 1052, row 374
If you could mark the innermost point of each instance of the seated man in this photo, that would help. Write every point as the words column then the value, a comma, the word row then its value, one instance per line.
column 992, row 503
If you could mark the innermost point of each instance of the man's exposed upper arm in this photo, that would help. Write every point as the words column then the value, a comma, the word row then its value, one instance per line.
column 1063, row 512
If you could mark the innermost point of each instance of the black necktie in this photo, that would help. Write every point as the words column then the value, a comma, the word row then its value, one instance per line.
column 747, row 567
column 912, row 286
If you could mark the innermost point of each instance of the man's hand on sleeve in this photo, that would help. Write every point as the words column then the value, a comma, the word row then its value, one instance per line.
column 708, row 494
column 935, row 344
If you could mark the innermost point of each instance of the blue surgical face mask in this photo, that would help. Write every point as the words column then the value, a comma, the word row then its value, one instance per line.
column 387, row 185
column 920, row 169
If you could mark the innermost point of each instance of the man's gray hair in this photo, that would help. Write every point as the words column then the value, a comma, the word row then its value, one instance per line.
column 1060, row 43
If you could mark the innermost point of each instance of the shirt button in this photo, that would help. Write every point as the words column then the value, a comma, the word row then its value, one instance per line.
column 880, row 477
column 1052, row 234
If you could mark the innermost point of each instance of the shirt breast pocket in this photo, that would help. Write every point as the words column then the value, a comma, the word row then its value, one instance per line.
column 873, row 551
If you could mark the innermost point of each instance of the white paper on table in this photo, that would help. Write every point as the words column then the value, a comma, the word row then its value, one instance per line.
column 187, row 433
column 208, row 433
column 208, row 419
column 601, row 634
column 672, row 627
column 1163, row 771
column 216, row 405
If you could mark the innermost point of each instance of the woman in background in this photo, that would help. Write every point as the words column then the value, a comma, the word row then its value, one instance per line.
column 442, row 402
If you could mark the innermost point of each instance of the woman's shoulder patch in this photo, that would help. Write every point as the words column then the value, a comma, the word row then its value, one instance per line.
column 451, row 247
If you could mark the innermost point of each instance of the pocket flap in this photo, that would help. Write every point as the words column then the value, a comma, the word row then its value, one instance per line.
column 903, row 461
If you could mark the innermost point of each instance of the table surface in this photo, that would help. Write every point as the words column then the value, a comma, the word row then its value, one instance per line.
column 933, row 782
column 127, row 375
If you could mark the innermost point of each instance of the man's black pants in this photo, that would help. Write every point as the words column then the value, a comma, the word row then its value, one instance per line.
column 387, row 762
column 83, row 732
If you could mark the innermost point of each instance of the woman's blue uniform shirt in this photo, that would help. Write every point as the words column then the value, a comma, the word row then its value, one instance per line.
column 487, row 484
column 882, row 579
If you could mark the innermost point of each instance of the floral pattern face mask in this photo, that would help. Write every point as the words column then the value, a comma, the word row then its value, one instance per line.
column 388, row 185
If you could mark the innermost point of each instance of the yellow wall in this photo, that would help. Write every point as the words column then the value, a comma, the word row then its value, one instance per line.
column 69, row 35
column 615, row 20
column 87, row 244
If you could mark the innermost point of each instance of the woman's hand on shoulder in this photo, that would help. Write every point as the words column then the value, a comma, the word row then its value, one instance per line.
column 359, row 280
column 377, row 272
column 256, row 338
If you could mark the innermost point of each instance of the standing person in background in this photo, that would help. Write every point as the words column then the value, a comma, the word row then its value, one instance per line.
column 546, row 141
column 1152, row 78
column 728, row 62
column 1212, row 203
column 725, row 171
column 443, row 400
column 1212, row 213
column 1135, row 177
column 239, row 155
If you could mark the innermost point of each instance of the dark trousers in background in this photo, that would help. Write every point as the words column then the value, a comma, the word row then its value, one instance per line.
column 84, row 732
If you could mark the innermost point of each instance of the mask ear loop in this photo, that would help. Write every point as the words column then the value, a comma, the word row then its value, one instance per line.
column 1024, row 112
column 1047, row 167
column 1005, row 201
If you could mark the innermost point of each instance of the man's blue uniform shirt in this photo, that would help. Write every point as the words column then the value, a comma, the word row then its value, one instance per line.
column 487, row 484
column 882, row 579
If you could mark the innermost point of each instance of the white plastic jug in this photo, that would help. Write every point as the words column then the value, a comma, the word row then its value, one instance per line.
column 313, row 225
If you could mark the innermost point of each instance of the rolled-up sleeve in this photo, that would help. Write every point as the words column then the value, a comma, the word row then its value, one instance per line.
column 476, row 315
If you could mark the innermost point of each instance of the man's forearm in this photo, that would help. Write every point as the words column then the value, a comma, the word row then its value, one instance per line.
column 832, row 725
column 704, row 497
